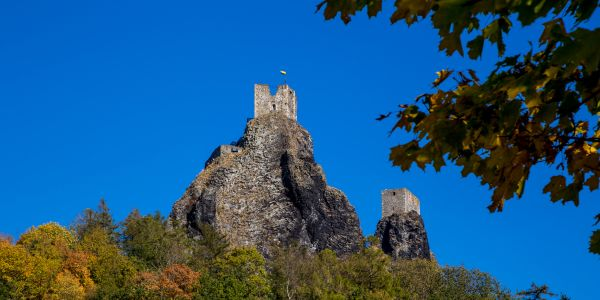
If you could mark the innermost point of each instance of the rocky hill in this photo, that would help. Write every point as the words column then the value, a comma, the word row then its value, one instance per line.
column 403, row 236
column 267, row 190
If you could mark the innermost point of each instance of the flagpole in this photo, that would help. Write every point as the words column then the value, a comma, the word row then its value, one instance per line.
column 284, row 73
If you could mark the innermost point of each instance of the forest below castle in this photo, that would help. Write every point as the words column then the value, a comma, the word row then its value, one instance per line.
column 146, row 257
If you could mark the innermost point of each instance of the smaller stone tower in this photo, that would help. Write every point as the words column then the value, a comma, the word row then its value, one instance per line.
column 284, row 101
column 398, row 201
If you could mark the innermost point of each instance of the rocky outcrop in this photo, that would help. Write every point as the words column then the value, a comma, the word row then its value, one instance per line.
column 403, row 236
column 267, row 191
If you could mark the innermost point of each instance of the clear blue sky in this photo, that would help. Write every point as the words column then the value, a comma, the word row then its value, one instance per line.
column 125, row 100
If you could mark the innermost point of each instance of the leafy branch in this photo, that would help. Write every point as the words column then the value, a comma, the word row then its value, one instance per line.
column 533, row 108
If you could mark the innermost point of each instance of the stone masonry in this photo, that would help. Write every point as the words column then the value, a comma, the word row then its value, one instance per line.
column 267, row 190
column 398, row 201
column 221, row 151
column 401, row 230
column 284, row 101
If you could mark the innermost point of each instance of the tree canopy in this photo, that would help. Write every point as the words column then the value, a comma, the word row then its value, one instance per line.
column 52, row 262
column 92, row 219
column 537, row 107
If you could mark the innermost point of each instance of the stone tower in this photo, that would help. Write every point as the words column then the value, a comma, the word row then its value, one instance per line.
column 398, row 201
column 266, row 190
column 284, row 101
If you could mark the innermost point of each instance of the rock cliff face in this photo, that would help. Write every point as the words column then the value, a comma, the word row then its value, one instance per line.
column 268, row 191
column 403, row 236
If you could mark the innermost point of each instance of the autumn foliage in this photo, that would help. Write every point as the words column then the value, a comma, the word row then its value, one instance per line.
column 145, row 257
column 173, row 282
column 45, row 264
column 538, row 107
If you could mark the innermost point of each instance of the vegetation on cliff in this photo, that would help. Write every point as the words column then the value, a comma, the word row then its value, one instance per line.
column 270, row 191
column 145, row 257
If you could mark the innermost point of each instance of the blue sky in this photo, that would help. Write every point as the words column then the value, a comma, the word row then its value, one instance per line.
column 125, row 100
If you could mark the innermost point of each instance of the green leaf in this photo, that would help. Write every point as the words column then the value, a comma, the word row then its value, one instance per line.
column 373, row 8
column 410, row 11
column 493, row 33
column 595, row 242
column 451, row 43
column 556, row 187
column 583, row 9
column 475, row 47
column 581, row 50
column 554, row 31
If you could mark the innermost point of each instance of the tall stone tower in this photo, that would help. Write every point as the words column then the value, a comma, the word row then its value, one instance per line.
column 284, row 101
column 401, row 229
column 398, row 201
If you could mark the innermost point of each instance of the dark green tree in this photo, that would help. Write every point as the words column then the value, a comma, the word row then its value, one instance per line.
column 5, row 289
column 539, row 292
column 296, row 273
column 153, row 243
column 424, row 279
column 113, row 272
column 290, row 270
column 369, row 272
column 238, row 274
column 461, row 283
column 91, row 219
column 537, row 107
column 210, row 245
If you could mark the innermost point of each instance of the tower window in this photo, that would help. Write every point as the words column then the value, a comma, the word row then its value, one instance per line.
column 394, row 193
column 274, row 108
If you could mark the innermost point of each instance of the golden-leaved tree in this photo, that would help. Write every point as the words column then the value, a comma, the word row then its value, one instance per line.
column 44, row 264
column 538, row 107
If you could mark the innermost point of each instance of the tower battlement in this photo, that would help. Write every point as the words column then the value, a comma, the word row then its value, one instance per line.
column 398, row 201
column 284, row 101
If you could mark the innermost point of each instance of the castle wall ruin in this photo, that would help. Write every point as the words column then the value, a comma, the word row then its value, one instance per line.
column 398, row 201
column 284, row 101
column 222, row 150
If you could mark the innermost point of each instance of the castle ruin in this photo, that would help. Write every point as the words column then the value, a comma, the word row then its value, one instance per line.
column 398, row 201
column 222, row 150
column 267, row 191
column 284, row 101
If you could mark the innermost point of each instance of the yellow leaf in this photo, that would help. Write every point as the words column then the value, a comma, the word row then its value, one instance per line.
column 581, row 128
column 521, row 186
column 533, row 101
column 442, row 75
column 551, row 72
column 589, row 149
column 515, row 91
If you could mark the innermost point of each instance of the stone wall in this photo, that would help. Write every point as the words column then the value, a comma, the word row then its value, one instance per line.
column 221, row 151
column 284, row 101
column 398, row 201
